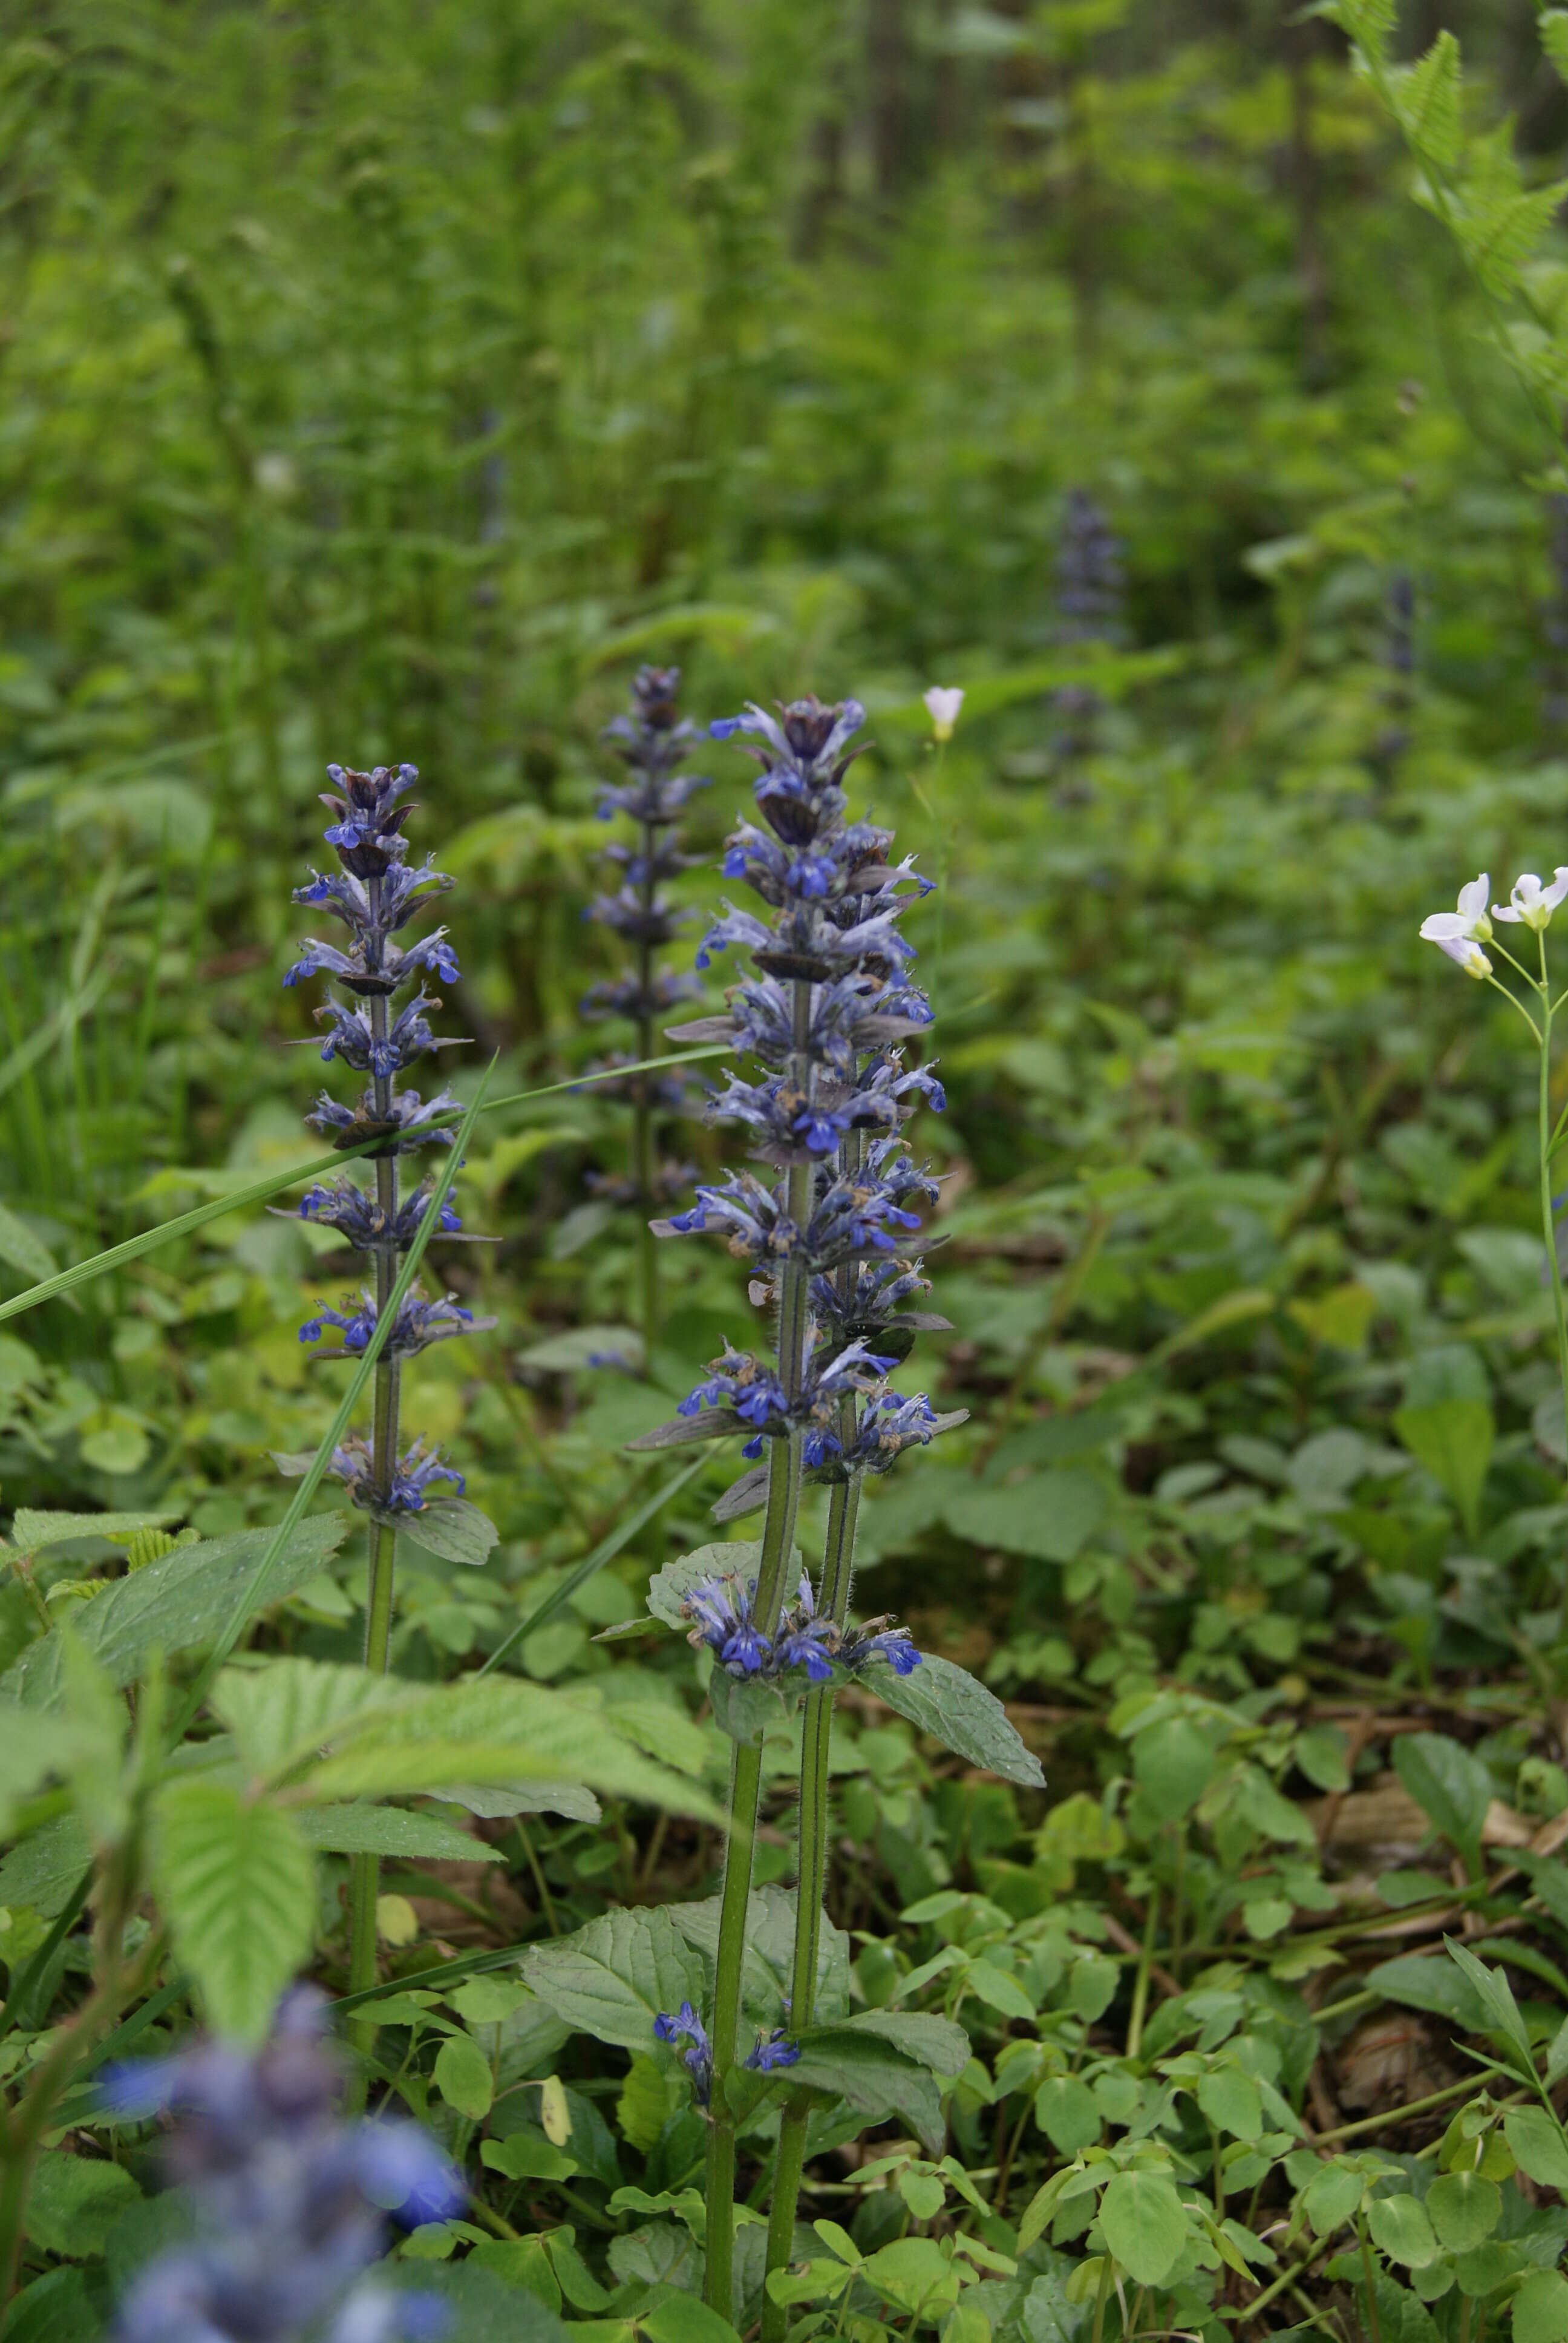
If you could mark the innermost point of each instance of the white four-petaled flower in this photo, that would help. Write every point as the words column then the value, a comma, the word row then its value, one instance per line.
column 1531, row 902
column 944, row 705
column 1459, row 934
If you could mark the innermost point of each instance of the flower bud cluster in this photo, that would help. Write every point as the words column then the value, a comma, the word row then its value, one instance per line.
column 374, row 895
column 652, row 741
column 826, row 1016
column 287, row 2199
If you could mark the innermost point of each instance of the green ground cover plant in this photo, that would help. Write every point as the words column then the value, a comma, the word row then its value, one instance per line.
column 1105, row 463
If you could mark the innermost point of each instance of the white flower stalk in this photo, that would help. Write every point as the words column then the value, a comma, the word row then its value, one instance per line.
column 942, row 704
column 1531, row 903
column 1461, row 934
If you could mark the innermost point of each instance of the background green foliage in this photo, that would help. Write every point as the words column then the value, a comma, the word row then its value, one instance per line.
column 383, row 383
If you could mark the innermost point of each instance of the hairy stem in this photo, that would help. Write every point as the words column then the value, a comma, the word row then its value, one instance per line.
column 816, row 1744
column 365, row 1871
column 643, row 1130
column 745, row 1773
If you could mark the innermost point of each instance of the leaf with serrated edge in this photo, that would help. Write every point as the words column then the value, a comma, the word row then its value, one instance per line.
column 390, row 1830
column 948, row 1702
column 185, row 1598
column 932, row 2041
column 613, row 1977
column 501, row 1730
column 770, row 1951
column 235, row 1883
column 875, row 2080
column 283, row 1711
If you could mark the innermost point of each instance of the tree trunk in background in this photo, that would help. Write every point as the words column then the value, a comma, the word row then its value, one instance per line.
column 1306, row 187
column 824, row 189
column 887, row 73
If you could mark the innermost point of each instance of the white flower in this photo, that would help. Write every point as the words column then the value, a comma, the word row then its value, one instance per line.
column 1467, row 953
column 944, row 706
column 1468, row 925
column 1532, row 903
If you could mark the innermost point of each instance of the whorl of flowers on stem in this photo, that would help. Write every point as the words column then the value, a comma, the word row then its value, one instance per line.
column 825, row 1018
column 1090, row 584
column 721, row 1612
column 653, row 739
column 772, row 2050
column 374, row 895
column 286, row 2197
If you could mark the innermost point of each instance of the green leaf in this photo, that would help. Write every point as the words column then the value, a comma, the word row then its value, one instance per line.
column 1427, row 100
column 668, row 1587
column 1539, row 2148
column 1173, row 1763
column 1552, row 26
column 40, row 1872
column 55, row 2308
column 1323, row 1753
column 452, row 1528
column 1496, row 1997
column 745, row 1708
column 32, row 1748
column 1144, row 2225
column 680, row 2318
column 1417, row 1981
column 497, row 1728
column 646, row 2102
column 1050, row 1517
column 1231, row 2099
column 874, row 2080
column 1401, row 2228
column 462, row 2076
column 527, row 2155
column 931, row 2041
column 1451, row 1788
column 1541, row 2309
column 770, row 1953
column 236, row 1885
column 1463, row 2209
column 35, row 1532
column 613, row 1977
column 20, row 1249
column 1066, row 2112
column 1453, row 1439
column 76, row 2201
column 389, row 1830
column 281, row 1713
column 1330, row 2197
column 946, row 1702
column 184, row 1599
column 999, row 1990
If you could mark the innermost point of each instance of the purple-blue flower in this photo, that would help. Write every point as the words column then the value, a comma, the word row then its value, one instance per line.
column 687, row 2026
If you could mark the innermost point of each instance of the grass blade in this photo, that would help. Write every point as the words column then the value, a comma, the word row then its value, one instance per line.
column 261, row 1190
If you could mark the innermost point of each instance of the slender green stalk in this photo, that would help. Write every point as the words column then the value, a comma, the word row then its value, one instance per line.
column 381, row 1544
column 746, row 1770
column 816, row 1744
column 643, row 1132
column 1548, row 1224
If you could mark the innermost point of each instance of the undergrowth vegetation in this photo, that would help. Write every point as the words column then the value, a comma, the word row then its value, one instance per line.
column 1096, row 1515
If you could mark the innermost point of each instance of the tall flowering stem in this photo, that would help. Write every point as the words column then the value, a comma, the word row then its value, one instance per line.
column 822, row 1017
column 1463, row 935
column 651, row 740
column 375, row 894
